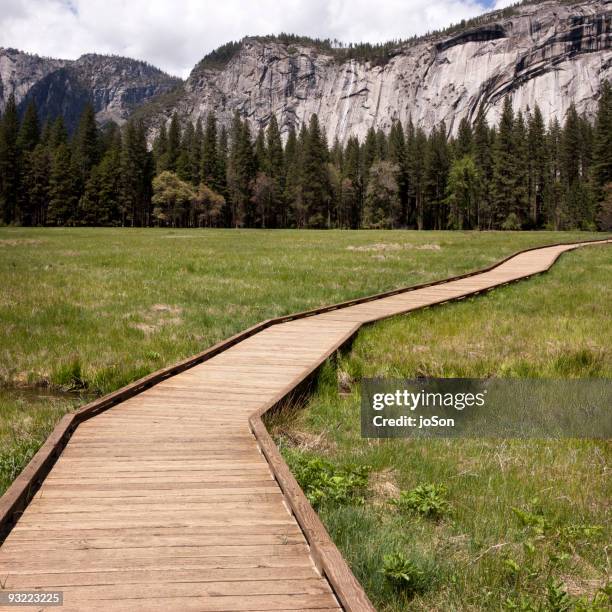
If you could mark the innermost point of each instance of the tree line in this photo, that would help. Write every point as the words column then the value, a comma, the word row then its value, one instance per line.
column 521, row 174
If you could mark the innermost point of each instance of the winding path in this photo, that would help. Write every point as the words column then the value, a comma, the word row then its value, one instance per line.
column 177, row 499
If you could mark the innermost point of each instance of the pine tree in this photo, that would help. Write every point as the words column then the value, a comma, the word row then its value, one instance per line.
column 437, row 166
column 101, row 202
column 382, row 150
column 136, row 173
column 464, row 144
column 174, row 143
column 110, row 183
column 160, row 150
column 602, row 145
column 520, row 206
column 29, row 132
column 184, row 162
column 9, row 161
column 36, row 178
column 249, row 171
column 503, row 182
column 86, row 145
column 536, row 143
column 261, row 155
column 484, row 163
column 315, row 184
column 45, row 134
column 587, row 138
column 575, row 200
column 411, row 208
column 336, row 155
column 554, row 196
column 196, row 152
column 107, row 136
column 382, row 207
column 241, row 173
column 397, row 156
column 463, row 189
column 58, row 134
column 368, row 155
column 210, row 164
column 27, row 140
column 275, row 169
column 352, row 190
column 570, row 148
column 292, row 192
column 90, row 213
column 418, row 178
column 222, row 162
column 63, row 192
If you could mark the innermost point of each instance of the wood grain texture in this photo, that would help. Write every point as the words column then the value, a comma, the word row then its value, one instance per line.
column 170, row 493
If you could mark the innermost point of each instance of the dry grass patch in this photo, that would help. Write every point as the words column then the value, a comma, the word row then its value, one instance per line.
column 374, row 248
column 383, row 486
column 19, row 242
column 156, row 317
column 305, row 441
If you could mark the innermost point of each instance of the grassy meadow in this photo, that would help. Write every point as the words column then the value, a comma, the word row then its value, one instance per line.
column 85, row 311
column 97, row 308
column 469, row 524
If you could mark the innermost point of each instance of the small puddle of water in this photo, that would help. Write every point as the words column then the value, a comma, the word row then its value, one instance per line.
column 31, row 395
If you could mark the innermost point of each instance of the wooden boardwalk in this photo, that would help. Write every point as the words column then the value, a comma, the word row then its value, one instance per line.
column 172, row 499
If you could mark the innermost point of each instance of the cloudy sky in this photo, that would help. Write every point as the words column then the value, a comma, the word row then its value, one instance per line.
column 175, row 34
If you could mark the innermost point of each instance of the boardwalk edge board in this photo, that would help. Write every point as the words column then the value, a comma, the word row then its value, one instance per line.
column 326, row 556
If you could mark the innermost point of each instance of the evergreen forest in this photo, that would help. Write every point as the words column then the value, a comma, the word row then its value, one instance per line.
column 520, row 174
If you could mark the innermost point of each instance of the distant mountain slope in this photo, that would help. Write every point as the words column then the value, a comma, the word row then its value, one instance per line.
column 115, row 85
column 551, row 53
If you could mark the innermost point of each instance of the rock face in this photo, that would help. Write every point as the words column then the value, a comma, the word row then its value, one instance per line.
column 20, row 71
column 114, row 85
column 551, row 53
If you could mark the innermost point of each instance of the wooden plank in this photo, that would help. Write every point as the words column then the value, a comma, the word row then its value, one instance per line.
column 155, row 522
column 160, row 576
column 169, row 561
column 243, row 588
column 151, row 540
column 283, row 531
column 255, row 603
column 57, row 556
column 143, row 495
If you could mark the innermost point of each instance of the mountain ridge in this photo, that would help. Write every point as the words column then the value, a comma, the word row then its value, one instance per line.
column 552, row 53
column 113, row 84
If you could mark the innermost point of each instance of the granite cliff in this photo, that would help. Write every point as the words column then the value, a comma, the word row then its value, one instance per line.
column 551, row 53
column 548, row 53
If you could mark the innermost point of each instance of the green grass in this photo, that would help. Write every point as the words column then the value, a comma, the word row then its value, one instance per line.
column 26, row 419
column 98, row 308
column 474, row 524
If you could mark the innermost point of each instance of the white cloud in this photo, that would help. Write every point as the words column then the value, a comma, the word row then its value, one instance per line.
column 175, row 34
column 499, row 4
